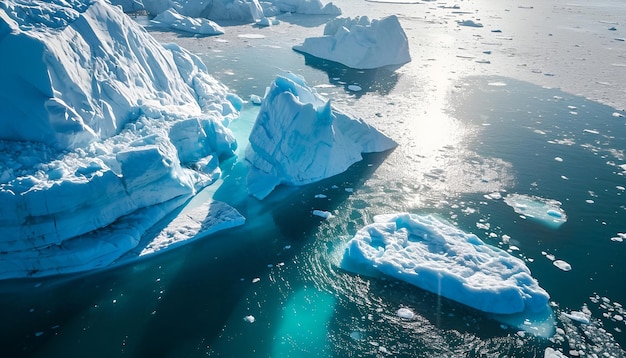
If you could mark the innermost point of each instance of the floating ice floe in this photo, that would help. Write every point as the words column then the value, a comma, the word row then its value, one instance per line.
column 103, row 132
column 438, row 257
column 249, row 319
column 563, row 265
column 469, row 23
column 323, row 214
column 172, row 19
column 578, row 316
column 360, row 43
column 405, row 313
column 299, row 138
column 546, row 211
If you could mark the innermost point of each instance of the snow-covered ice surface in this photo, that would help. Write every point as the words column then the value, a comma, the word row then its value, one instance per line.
column 99, row 133
column 300, row 138
column 360, row 43
column 436, row 256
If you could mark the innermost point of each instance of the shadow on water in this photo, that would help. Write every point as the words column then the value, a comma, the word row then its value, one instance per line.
column 379, row 80
column 295, row 218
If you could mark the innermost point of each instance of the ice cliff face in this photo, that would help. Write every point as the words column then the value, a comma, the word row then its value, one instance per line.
column 100, row 125
column 82, row 70
column 299, row 138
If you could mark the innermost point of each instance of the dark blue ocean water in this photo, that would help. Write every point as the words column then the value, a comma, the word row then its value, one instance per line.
column 489, row 134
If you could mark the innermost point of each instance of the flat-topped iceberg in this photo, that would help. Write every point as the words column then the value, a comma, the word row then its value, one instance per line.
column 360, row 43
column 170, row 18
column 438, row 257
column 103, row 132
column 299, row 138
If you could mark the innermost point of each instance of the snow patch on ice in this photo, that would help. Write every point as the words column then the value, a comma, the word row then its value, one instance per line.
column 563, row 265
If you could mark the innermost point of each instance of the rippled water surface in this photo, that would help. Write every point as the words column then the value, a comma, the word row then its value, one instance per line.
column 460, row 141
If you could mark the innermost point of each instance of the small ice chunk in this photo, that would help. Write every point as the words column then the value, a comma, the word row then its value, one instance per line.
column 320, row 196
column 494, row 196
column 558, row 159
column 562, row 265
column 323, row 214
column 577, row 316
column 256, row 279
column 249, row 318
column 405, row 313
column 553, row 353
column 355, row 88
column 256, row 100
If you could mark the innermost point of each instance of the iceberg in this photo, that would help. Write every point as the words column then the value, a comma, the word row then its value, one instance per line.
column 360, row 43
column 545, row 211
column 103, row 132
column 172, row 19
column 235, row 10
column 299, row 138
column 437, row 257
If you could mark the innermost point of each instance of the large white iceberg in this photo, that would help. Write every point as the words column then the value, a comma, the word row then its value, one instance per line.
column 103, row 131
column 438, row 257
column 299, row 138
column 360, row 43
